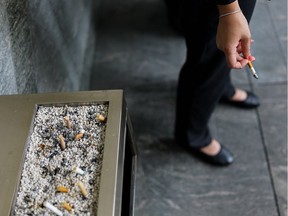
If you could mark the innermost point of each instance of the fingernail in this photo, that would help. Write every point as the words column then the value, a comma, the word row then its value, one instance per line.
column 250, row 58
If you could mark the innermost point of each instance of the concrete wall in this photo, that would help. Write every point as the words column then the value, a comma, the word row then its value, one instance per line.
column 46, row 45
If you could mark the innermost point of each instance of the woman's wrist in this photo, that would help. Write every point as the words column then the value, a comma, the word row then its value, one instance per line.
column 229, row 8
column 229, row 13
column 224, row 2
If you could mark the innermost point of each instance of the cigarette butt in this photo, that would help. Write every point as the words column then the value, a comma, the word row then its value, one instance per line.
column 42, row 146
column 63, row 189
column 83, row 189
column 62, row 142
column 53, row 208
column 79, row 136
column 66, row 206
column 68, row 122
column 100, row 117
column 78, row 170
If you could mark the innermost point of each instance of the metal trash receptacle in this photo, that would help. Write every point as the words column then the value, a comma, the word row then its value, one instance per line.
column 117, row 182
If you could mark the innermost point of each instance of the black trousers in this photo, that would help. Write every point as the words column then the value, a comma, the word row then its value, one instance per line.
column 205, row 77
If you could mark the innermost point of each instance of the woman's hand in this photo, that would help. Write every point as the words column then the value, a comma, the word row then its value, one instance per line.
column 233, row 36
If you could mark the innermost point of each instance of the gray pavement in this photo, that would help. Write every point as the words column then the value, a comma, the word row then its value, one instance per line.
column 137, row 51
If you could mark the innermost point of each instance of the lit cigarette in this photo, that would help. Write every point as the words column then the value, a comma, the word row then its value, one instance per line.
column 53, row 208
column 252, row 69
column 78, row 170
column 83, row 189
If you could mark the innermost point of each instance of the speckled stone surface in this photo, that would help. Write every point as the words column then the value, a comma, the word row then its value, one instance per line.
column 139, row 52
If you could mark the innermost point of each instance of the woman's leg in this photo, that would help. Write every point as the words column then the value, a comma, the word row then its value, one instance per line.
column 200, row 86
column 204, row 77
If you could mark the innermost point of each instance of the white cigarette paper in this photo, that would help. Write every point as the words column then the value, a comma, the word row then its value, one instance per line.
column 79, row 170
column 53, row 208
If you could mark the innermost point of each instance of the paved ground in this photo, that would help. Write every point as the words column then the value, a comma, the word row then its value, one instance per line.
column 137, row 51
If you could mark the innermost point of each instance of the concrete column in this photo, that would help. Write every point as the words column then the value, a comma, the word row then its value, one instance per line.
column 46, row 46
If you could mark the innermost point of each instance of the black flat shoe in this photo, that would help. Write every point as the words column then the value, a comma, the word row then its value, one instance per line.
column 223, row 158
column 252, row 101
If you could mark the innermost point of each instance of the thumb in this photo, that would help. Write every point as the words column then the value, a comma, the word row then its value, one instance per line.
column 232, row 62
column 245, row 45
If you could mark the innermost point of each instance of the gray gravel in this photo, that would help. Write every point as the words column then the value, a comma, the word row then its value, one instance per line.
column 47, row 166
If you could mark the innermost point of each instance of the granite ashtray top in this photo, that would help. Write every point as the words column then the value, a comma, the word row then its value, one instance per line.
column 63, row 160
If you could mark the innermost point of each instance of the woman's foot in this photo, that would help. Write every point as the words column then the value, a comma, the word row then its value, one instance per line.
column 212, row 149
column 216, row 154
column 240, row 95
column 242, row 99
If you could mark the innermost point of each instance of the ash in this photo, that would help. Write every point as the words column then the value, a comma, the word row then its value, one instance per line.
column 47, row 166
